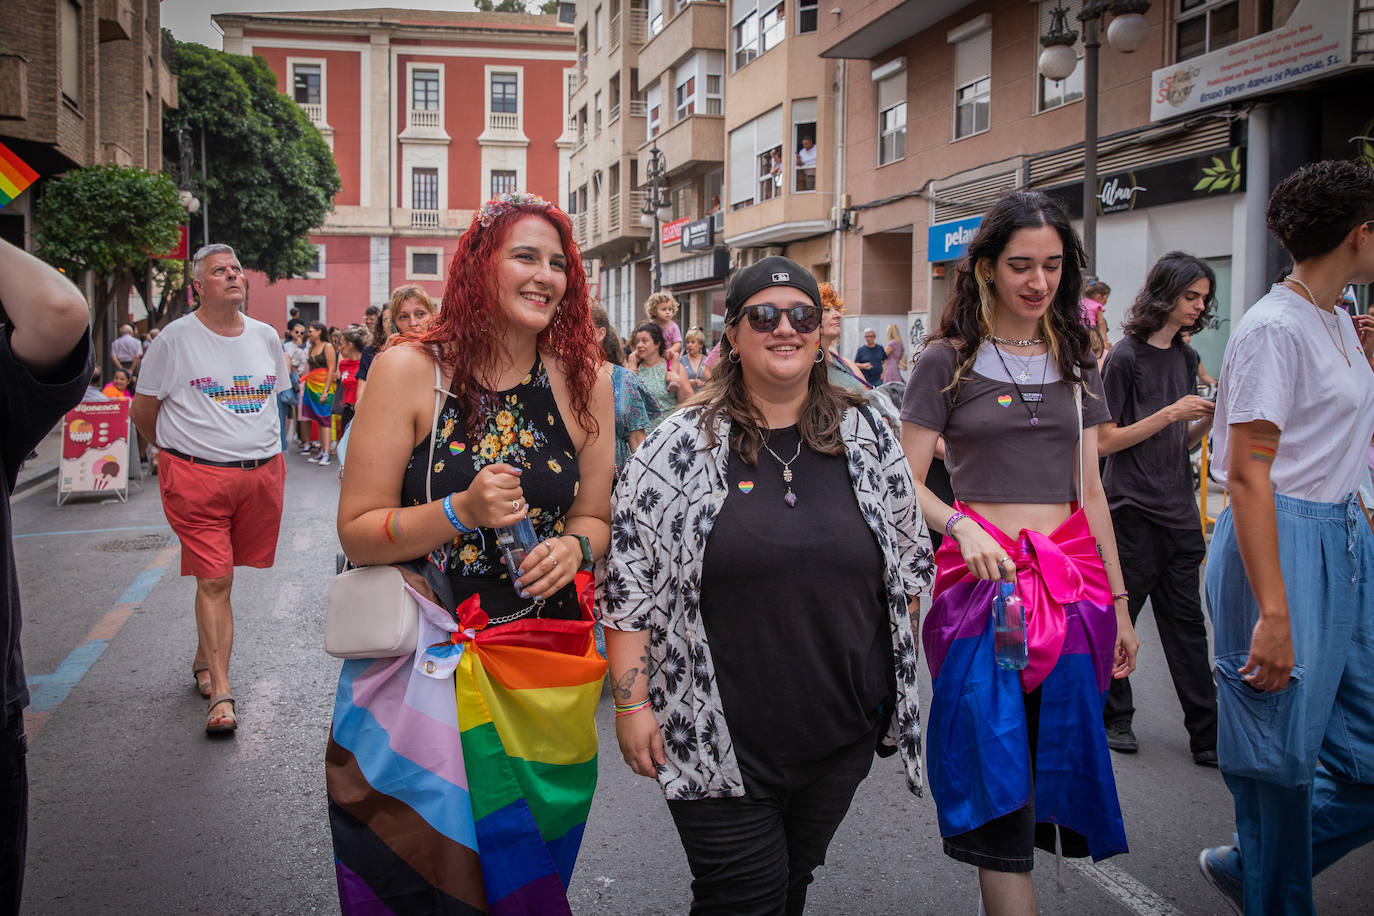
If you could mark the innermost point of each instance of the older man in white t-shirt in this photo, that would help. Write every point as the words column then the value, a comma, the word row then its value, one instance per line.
column 208, row 398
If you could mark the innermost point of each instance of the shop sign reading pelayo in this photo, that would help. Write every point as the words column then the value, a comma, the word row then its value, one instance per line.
column 1315, row 43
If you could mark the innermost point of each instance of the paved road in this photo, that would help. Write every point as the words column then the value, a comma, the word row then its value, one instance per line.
column 135, row 811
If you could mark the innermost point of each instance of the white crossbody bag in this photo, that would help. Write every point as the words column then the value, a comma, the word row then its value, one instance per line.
column 371, row 613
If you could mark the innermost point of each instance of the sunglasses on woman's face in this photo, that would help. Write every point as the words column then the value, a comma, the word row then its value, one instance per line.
column 766, row 318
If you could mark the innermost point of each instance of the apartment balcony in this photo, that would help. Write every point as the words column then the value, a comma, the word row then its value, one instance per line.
column 785, row 218
column 424, row 219
column 314, row 111
column 14, row 87
column 697, row 140
column 639, row 108
column 866, row 30
column 616, row 228
column 697, row 26
column 636, row 26
column 422, row 118
column 116, row 20
column 503, row 121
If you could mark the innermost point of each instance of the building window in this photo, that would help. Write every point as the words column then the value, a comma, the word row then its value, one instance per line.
column 773, row 26
column 654, row 105
column 505, row 93
column 502, row 182
column 71, row 52
column 892, row 118
column 715, row 100
column 755, row 150
column 655, row 15
column 1205, row 25
column 806, row 15
column 424, row 90
column 685, row 98
column 423, row 263
column 1053, row 93
column 972, row 83
column 804, row 144
column 305, row 82
column 424, row 189
column 598, row 32
column 746, row 37
column 316, row 269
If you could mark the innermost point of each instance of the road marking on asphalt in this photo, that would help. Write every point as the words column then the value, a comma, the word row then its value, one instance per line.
column 49, row 690
column 1125, row 889
column 44, row 534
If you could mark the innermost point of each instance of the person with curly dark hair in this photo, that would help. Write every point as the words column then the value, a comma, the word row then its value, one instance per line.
column 1009, row 381
column 758, row 605
column 1150, row 378
column 522, row 430
column 1290, row 571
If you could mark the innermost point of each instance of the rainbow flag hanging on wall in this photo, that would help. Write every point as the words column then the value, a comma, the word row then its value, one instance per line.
column 466, row 789
column 15, row 175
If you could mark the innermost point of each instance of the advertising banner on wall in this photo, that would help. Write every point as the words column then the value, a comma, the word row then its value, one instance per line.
column 95, row 450
column 1314, row 43
column 1191, row 178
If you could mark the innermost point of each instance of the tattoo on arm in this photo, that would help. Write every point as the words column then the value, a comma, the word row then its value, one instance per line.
column 620, row 689
column 1101, row 553
column 391, row 528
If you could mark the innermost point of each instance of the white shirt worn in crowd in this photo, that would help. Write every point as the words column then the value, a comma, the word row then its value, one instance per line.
column 1283, row 364
column 219, row 394
column 807, row 157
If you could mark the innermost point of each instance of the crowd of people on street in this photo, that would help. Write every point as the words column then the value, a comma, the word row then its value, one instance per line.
column 752, row 529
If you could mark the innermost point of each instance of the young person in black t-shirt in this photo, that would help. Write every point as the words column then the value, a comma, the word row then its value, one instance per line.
column 1150, row 379
column 45, row 362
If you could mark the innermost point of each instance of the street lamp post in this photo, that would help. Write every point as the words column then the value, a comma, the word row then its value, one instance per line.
column 656, row 208
column 1127, row 32
column 189, row 201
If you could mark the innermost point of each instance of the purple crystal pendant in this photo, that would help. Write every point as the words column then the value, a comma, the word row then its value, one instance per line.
column 790, row 498
column 1035, row 421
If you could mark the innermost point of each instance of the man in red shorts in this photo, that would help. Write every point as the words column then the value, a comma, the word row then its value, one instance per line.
column 208, row 397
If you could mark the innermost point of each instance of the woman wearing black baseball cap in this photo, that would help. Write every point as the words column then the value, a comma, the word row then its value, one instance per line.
column 765, row 692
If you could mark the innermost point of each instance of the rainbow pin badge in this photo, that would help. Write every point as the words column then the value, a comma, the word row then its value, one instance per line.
column 1004, row 400
column 457, row 448
column 745, row 486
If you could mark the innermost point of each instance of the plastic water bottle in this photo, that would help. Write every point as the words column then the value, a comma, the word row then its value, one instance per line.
column 516, row 542
column 1009, row 627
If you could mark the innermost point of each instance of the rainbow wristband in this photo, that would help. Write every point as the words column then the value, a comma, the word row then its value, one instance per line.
column 453, row 516
column 630, row 708
column 949, row 525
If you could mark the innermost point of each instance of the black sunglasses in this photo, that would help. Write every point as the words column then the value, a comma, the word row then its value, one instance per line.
column 766, row 318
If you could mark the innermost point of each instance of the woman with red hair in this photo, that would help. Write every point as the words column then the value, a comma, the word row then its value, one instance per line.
column 499, row 412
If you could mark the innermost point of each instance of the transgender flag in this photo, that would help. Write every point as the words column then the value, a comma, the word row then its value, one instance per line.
column 15, row 176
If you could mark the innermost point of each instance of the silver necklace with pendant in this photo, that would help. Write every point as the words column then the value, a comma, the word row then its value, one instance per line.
column 789, row 497
column 1024, row 375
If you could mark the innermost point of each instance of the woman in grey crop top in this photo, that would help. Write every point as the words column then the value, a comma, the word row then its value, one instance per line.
column 1002, row 381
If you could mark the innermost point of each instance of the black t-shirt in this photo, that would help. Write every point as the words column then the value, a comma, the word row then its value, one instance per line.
column 30, row 405
column 794, row 606
column 1152, row 476
column 365, row 362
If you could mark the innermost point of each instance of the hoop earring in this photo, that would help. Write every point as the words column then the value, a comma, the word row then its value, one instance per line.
column 733, row 356
column 820, row 354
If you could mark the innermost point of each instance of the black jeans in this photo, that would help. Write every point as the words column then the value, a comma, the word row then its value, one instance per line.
column 14, row 810
column 754, row 855
column 1162, row 564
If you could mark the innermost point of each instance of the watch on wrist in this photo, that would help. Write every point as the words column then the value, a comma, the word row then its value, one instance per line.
column 586, row 546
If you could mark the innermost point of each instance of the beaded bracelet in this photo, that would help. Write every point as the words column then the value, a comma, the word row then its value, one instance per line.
column 949, row 525
column 630, row 708
column 453, row 516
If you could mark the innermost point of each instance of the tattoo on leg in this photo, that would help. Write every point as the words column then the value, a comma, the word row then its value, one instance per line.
column 620, row 688
column 391, row 528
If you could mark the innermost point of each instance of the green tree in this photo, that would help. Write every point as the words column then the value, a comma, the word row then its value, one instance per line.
column 548, row 7
column 109, row 220
column 270, row 175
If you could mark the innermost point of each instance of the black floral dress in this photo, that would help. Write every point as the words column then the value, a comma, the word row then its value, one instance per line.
column 522, row 427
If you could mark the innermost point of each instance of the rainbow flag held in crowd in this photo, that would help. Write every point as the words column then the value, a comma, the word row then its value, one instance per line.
column 460, row 778
column 15, row 175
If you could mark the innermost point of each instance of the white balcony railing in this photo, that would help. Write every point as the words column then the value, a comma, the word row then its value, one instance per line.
column 424, row 219
column 580, row 229
column 581, row 142
column 639, row 108
column 614, row 114
column 638, row 201
column 613, row 216
column 504, row 120
column 314, row 111
column 639, row 26
column 423, row 117
column 615, row 31
column 596, row 222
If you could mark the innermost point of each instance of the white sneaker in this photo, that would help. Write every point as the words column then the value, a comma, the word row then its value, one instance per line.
column 324, row 460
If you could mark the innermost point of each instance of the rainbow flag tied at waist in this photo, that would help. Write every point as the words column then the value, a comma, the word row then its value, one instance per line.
column 460, row 777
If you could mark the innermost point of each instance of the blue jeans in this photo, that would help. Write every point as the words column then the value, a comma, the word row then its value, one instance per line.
column 1299, row 762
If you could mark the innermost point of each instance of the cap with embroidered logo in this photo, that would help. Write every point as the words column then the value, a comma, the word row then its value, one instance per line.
column 771, row 271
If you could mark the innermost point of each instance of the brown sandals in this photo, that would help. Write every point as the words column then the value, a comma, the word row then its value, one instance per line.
column 202, row 686
column 225, row 722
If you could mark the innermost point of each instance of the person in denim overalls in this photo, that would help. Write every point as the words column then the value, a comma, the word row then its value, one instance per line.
column 1290, row 572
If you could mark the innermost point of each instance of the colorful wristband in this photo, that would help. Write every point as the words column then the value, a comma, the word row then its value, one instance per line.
column 629, row 708
column 949, row 525
column 453, row 516
column 1121, row 596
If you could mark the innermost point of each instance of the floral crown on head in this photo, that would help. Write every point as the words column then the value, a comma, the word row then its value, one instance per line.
column 509, row 200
